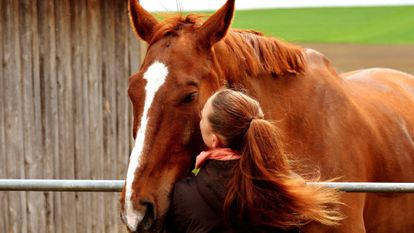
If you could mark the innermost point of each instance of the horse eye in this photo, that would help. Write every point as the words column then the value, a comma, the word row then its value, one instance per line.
column 189, row 98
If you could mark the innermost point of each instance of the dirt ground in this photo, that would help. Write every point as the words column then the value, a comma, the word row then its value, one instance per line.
column 352, row 57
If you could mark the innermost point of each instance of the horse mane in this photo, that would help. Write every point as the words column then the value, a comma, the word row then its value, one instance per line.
column 259, row 54
column 250, row 51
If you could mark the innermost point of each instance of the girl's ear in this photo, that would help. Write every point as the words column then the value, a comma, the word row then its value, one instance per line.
column 215, row 141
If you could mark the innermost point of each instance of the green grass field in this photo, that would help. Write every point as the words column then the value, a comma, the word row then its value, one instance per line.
column 357, row 25
column 362, row 25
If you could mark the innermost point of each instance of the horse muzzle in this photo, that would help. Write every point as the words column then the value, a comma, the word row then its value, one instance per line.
column 142, row 220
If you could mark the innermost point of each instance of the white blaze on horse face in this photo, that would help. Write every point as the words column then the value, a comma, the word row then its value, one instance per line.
column 155, row 75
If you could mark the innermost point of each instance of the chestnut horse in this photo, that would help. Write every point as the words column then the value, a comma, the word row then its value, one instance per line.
column 358, row 126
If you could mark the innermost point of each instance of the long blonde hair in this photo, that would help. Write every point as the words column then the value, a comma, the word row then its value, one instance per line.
column 262, row 192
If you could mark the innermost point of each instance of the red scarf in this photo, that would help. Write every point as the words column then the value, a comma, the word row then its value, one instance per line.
column 216, row 154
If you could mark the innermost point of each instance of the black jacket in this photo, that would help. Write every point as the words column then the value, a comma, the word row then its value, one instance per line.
column 197, row 202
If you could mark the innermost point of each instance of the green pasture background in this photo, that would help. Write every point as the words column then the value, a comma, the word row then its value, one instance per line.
column 356, row 25
column 362, row 25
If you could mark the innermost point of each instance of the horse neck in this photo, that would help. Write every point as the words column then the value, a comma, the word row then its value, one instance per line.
column 267, row 68
column 290, row 97
column 274, row 71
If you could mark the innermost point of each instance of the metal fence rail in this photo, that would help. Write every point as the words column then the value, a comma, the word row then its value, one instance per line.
column 368, row 187
column 116, row 186
column 61, row 185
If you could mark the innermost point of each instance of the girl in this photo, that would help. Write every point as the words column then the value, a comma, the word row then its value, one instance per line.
column 245, row 182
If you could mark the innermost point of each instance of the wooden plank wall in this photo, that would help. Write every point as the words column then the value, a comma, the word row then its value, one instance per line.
column 64, row 113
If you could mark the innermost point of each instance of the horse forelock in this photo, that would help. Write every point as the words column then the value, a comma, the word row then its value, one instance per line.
column 172, row 25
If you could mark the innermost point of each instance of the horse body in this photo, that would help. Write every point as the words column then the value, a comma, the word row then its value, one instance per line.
column 354, row 131
column 358, row 126
column 384, row 100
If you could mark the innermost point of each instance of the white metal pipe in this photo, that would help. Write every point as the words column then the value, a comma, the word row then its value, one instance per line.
column 368, row 187
column 46, row 185
column 61, row 185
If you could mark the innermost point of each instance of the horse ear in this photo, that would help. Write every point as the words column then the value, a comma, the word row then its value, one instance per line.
column 141, row 20
column 216, row 27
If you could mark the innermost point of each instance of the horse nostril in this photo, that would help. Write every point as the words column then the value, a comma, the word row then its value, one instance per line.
column 149, row 217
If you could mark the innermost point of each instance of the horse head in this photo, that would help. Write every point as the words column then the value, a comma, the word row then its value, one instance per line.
column 176, row 78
